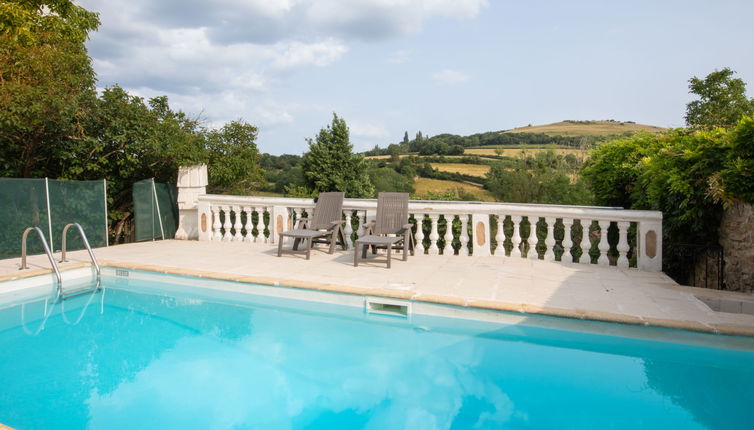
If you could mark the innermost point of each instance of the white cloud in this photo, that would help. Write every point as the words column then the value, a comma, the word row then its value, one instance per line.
column 367, row 129
column 226, row 58
column 295, row 54
column 450, row 77
column 398, row 57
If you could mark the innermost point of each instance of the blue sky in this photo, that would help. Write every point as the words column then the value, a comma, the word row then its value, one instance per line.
column 439, row 66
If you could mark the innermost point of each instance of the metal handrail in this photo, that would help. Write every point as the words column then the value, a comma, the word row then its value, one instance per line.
column 86, row 244
column 47, row 251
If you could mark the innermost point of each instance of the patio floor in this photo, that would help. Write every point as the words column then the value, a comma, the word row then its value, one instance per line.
column 536, row 287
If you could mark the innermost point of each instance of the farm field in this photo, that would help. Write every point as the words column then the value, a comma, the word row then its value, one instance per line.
column 587, row 128
column 424, row 186
column 464, row 169
column 514, row 152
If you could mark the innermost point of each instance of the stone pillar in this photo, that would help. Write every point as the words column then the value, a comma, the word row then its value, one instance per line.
column 481, row 235
column 192, row 182
column 650, row 246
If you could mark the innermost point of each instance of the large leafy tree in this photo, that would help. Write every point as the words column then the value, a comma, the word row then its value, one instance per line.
column 46, row 83
column 234, row 160
column 331, row 165
column 722, row 101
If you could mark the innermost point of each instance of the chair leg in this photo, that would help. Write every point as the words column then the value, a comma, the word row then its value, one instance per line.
column 405, row 250
column 295, row 244
column 333, row 239
column 364, row 249
column 356, row 255
column 308, row 248
column 342, row 237
column 280, row 244
column 389, row 249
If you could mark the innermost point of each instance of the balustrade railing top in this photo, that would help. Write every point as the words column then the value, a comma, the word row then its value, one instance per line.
column 573, row 234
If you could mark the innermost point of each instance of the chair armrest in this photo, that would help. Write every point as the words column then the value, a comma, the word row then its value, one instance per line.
column 302, row 222
column 369, row 227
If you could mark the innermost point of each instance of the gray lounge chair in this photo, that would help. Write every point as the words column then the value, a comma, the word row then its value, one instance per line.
column 325, row 224
column 390, row 229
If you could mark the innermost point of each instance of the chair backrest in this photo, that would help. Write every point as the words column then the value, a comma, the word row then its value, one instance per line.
column 329, row 208
column 392, row 213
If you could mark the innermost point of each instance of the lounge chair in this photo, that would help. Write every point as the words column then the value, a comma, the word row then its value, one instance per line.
column 325, row 223
column 390, row 229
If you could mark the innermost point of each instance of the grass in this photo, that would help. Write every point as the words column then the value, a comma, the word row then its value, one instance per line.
column 507, row 151
column 587, row 128
column 424, row 186
column 465, row 169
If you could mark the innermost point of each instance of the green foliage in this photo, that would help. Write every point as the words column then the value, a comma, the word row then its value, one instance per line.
column 688, row 175
column 33, row 22
column 233, row 158
column 540, row 178
column 52, row 124
column 330, row 164
column 46, row 83
column 452, row 195
column 612, row 168
column 386, row 179
column 722, row 101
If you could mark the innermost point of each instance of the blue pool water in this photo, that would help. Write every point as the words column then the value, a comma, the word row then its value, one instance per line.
column 137, row 358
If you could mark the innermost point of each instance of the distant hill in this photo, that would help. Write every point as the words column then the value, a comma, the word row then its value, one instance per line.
column 587, row 128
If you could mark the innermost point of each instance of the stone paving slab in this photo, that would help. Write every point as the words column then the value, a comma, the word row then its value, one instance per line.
column 518, row 285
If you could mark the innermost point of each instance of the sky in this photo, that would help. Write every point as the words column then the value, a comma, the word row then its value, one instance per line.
column 435, row 66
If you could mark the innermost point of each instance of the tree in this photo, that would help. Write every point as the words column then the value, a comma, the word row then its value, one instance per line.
column 405, row 142
column 722, row 101
column 331, row 165
column 46, row 83
column 540, row 178
column 234, row 160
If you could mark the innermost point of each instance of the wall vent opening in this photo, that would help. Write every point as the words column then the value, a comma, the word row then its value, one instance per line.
column 388, row 307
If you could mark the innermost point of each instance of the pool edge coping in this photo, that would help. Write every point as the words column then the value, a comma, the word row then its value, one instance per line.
column 523, row 308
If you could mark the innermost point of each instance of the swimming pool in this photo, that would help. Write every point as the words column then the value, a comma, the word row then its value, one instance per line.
column 158, row 351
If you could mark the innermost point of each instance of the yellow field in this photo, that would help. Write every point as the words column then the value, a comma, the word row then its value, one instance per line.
column 464, row 169
column 593, row 128
column 424, row 186
column 514, row 152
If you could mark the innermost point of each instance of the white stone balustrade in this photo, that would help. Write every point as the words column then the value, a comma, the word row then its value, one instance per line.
column 223, row 221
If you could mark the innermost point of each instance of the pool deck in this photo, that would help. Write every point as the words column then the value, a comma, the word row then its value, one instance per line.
column 516, row 285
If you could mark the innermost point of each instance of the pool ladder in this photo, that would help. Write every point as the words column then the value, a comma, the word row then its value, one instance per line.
column 59, row 284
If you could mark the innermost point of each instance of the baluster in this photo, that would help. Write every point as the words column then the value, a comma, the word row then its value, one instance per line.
column 260, row 225
column 216, row 234
column 550, row 239
column 294, row 218
column 419, row 233
column 237, row 236
column 567, row 241
column 227, row 236
column 348, row 230
column 586, row 242
column 464, row 239
column 516, row 238
column 603, row 246
column 362, row 224
column 247, row 225
column 433, row 236
column 500, row 237
column 448, row 249
column 532, row 254
column 623, row 244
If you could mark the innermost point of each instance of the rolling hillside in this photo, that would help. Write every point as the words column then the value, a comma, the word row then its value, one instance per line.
column 587, row 128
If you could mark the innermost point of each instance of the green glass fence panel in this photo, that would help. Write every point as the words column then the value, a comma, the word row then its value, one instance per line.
column 155, row 210
column 23, row 203
column 145, row 212
column 82, row 202
column 167, row 199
